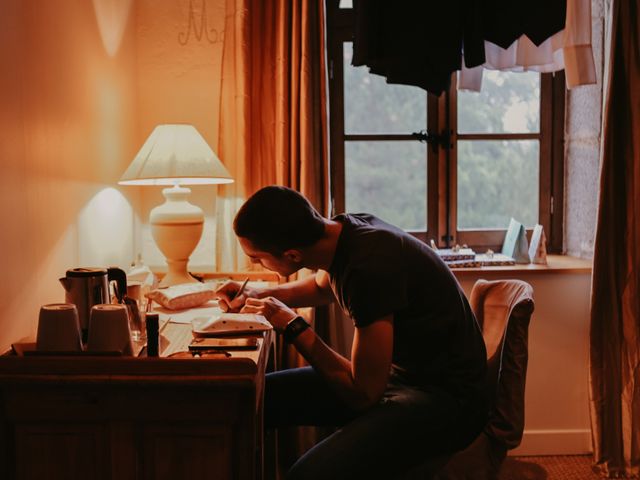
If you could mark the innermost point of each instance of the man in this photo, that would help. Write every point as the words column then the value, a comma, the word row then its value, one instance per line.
column 412, row 389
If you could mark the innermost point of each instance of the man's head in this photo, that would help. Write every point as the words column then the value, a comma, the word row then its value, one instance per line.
column 274, row 225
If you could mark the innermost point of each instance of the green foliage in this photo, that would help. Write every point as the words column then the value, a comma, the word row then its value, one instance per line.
column 388, row 179
column 497, row 180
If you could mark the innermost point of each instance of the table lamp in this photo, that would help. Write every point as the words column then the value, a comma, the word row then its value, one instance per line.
column 176, row 155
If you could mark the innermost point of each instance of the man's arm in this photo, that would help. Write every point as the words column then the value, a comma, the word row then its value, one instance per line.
column 361, row 381
column 311, row 291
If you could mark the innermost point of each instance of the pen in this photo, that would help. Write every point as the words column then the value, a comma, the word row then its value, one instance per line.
column 241, row 289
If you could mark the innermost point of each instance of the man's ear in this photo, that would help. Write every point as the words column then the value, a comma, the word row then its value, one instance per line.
column 293, row 255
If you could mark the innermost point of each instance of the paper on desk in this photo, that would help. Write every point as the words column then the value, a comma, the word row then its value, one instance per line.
column 186, row 316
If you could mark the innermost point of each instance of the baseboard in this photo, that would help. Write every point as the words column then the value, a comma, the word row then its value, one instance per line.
column 554, row 442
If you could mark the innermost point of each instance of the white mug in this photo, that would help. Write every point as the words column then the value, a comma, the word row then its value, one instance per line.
column 59, row 328
column 109, row 329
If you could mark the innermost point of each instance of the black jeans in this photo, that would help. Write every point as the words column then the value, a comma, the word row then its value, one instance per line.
column 406, row 428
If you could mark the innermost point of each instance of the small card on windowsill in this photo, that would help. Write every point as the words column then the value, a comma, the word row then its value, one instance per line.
column 538, row 246
column 515, row 242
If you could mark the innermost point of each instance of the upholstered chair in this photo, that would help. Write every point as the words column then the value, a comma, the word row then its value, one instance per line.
column 503, row 309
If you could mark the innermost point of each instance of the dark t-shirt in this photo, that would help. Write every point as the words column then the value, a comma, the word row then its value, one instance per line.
column 379, row 270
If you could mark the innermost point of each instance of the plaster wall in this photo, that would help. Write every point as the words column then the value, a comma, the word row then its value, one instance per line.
column 557, row 388
column 67, row 90
column 582, row 149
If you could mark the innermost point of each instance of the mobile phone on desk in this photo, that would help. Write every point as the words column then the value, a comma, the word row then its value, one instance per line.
column 208, row 343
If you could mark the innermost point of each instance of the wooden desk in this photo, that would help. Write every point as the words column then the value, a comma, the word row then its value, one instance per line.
column 132, row 418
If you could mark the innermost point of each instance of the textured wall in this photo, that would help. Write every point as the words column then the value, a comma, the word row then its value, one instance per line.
column 582, row 151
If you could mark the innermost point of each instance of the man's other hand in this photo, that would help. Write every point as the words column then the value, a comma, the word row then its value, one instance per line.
column 276, row 312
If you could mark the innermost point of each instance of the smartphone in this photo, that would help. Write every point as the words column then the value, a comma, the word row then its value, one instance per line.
column 208, row 343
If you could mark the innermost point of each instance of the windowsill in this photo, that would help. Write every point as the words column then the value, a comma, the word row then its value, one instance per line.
column 555, row 264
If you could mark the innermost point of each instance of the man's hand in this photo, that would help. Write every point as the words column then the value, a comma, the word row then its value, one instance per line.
column 228, row 298
column 272, row 309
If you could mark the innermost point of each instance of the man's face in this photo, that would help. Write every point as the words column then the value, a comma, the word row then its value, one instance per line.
column 283, row 264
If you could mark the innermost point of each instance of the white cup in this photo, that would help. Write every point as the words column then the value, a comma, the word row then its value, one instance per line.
column 109, row 329
column 59, row 328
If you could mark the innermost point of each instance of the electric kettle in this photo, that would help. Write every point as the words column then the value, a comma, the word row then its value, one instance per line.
column 86, row 287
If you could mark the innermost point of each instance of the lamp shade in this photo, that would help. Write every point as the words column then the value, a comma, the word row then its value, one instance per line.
column 175, row 154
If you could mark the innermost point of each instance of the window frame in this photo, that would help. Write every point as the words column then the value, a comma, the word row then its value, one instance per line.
column 441, row 163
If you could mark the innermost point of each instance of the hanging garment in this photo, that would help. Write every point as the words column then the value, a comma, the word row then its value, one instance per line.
column 420, row 45
column 507, row 20
column 569, row 49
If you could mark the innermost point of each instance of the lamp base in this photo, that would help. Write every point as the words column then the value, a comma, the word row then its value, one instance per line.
column 177, row 274
column 176, row 227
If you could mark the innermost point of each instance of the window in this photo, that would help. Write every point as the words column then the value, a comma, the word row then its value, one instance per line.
column 384, row 170
column 490, row 156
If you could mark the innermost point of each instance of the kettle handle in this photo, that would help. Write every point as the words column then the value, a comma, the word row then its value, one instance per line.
column 120, row 277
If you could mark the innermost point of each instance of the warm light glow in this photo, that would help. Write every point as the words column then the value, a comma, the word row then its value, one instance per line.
column 105, row 229
column 112, row 16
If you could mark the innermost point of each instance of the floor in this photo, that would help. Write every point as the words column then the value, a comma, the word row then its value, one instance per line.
column 565, row 467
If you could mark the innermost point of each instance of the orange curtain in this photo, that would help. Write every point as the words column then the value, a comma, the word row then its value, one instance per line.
column 273, row 119
column 615, row 303
column 273, row 114
column 288, row 89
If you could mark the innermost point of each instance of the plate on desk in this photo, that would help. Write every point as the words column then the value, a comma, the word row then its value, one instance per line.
column 229, row 324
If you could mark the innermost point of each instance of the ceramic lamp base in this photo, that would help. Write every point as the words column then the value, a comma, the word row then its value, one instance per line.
column 177, row 274
column 176, row 226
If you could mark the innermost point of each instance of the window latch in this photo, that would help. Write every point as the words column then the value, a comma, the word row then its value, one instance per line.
column 435, row 140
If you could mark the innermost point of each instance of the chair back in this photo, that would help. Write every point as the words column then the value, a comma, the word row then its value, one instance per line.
column 503, row 309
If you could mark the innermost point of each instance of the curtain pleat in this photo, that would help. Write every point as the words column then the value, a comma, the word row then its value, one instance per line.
column 615, row 304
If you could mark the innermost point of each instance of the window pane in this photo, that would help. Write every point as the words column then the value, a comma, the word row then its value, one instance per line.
column 497, row 180
column 508, row 103
column 389, row 180
column 346, row 4
column 373, row 106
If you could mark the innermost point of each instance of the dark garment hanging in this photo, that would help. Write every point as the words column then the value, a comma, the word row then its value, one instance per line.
column 417, row 42
column 421, row 42
column 506, row 20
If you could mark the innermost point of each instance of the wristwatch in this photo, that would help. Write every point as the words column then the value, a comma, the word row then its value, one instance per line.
column 294, row 328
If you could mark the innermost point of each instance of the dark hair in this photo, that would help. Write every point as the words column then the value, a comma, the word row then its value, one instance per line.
column 276, row 219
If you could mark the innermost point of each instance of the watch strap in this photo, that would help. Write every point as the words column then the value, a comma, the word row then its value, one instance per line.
column 294, row 328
